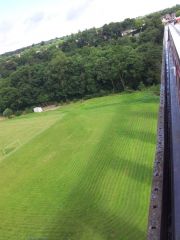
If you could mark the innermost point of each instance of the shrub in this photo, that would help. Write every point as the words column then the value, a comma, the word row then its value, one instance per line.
column 141, row 86
column 28, row 110
column 18, row 113
column 155, row 89
column 8, row 112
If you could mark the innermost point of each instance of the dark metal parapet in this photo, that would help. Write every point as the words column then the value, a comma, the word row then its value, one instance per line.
column 155, row 210
column 164, row 212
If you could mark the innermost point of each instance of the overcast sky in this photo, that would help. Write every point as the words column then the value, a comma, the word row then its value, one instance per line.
column 24, row 22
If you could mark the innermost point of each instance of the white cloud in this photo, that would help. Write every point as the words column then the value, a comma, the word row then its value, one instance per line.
column 37, row 22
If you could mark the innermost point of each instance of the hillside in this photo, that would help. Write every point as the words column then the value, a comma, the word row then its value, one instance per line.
column 81, row 172
column 95, row 62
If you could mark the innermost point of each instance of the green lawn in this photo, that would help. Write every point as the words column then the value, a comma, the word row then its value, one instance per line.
column 82, row 172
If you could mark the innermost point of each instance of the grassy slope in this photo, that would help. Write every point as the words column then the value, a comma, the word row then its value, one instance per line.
column 86, row 177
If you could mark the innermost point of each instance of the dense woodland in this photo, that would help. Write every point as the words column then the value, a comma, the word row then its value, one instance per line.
column 116, row 57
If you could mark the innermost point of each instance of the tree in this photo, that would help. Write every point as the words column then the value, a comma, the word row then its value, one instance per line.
column 9, row 97
column 56, row 82
column 138, row 23
column 178, row 13
column 141, row 86
column 128, row 23
column 8, row 112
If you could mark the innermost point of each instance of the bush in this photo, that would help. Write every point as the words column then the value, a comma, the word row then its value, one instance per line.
column 28, row 110
column 141, row 86
column 103, row 93
column 7, row 113
column 18, row 113
column 155, row 89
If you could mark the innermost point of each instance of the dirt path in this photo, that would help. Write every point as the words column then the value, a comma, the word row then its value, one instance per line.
column 51, row 107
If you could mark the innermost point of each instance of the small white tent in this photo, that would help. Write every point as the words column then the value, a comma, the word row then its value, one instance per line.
column 37, row 109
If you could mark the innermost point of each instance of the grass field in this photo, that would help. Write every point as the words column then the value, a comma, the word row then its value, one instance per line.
column 82, row 172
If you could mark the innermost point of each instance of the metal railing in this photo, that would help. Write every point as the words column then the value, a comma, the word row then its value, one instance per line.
column 164, row 211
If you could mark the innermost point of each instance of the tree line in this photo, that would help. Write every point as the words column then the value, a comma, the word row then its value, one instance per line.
column 90, row 63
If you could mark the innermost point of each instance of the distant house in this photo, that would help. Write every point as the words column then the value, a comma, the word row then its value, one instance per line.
column 37, row 109
column 18, row 55
column 127, row 32
column 168, row 18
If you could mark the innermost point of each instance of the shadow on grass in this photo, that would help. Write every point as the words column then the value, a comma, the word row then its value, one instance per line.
column 136, row 99
column 84, row 216
column 124, row 101
column 135, row 170
column 145, row 115
column 86, row 219
column 140, row 135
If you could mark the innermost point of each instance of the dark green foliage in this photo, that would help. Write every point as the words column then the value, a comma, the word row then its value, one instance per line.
column 117, row 57
column 18, row 113
column 178, row 13
column 155, row 89
column 7, row 113
column 141, row 86
column 28, row 110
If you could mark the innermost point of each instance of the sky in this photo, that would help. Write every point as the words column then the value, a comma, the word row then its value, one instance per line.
column 24, row 22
